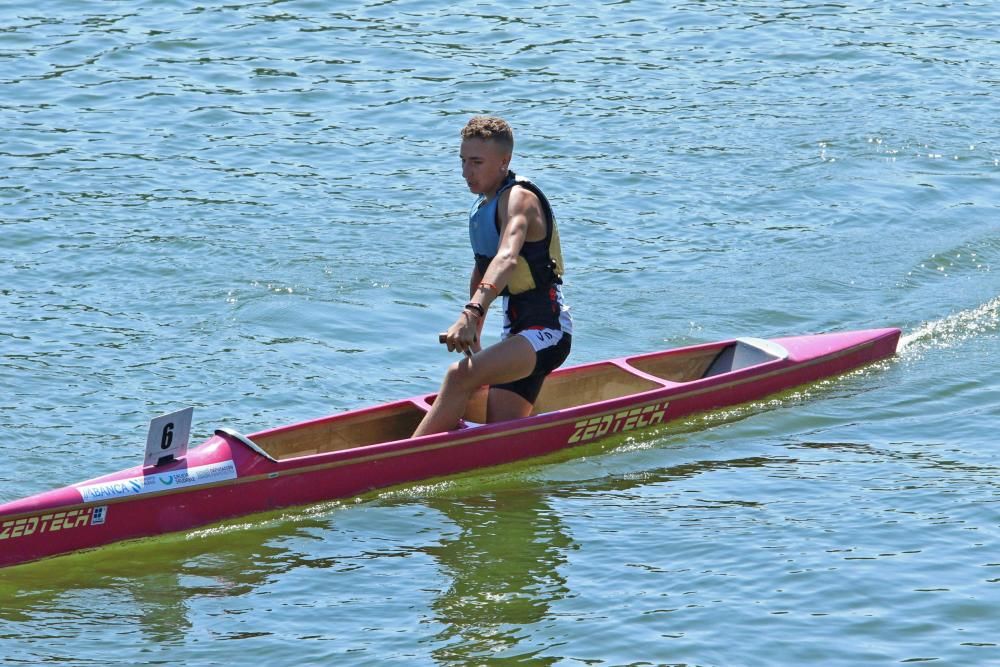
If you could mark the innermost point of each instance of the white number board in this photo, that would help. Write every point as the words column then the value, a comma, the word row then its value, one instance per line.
column 168, row 436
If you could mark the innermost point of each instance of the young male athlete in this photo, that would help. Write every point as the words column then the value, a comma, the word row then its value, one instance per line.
column 517, row 257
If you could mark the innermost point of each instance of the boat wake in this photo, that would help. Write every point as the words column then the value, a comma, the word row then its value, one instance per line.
column 955, row 328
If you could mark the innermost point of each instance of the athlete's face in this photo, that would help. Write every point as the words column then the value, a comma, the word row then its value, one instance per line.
column 484, row 165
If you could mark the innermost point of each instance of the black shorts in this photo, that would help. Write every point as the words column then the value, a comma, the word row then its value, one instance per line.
column 546, row 360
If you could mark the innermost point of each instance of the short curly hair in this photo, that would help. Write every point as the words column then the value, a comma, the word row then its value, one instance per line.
column 490, row 128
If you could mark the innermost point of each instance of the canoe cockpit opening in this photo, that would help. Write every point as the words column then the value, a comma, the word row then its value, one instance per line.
column 564, row 389
column 395, row 421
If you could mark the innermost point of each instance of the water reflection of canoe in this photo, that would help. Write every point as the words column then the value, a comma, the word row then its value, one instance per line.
column 343, row 455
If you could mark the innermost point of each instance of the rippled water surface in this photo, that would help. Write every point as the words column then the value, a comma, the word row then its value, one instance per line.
column 257, row 209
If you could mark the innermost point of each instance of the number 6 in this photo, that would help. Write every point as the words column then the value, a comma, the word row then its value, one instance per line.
column 168, row 436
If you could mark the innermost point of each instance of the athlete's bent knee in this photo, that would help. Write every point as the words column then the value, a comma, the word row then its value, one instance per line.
column 458, row 375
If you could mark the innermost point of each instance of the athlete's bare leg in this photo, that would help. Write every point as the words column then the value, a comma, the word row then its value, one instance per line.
column 511, row 359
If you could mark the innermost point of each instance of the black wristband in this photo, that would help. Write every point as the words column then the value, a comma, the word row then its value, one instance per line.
column 476, row 308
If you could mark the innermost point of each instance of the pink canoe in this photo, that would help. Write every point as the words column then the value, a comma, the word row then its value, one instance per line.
column 343, row 455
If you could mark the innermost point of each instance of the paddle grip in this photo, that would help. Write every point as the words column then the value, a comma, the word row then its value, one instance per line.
column 443, row 338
